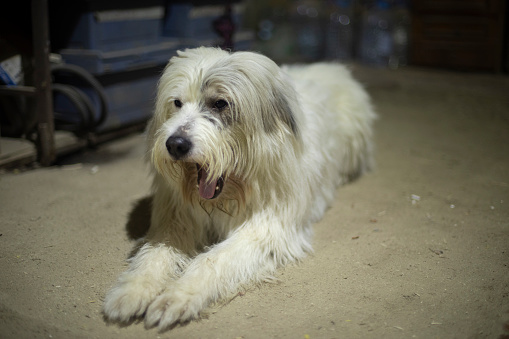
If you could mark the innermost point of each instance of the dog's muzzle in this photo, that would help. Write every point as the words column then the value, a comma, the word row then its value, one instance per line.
column 179, row 147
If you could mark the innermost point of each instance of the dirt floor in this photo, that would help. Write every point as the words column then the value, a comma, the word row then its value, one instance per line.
column 417, row 249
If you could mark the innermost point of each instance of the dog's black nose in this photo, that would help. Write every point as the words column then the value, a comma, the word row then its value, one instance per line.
column 178, row 146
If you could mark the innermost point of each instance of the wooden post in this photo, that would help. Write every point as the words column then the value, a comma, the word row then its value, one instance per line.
column 42, row 82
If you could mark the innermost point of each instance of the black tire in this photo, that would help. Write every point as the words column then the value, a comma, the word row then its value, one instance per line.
column 90, row 80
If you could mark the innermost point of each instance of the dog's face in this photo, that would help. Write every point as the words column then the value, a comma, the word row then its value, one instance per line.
column 220, row 120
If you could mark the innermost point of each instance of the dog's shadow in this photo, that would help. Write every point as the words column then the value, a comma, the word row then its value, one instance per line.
column 138, row 221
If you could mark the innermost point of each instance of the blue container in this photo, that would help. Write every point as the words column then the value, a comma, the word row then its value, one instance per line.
column 130, row 102
column 116, row 30
column 100, row 62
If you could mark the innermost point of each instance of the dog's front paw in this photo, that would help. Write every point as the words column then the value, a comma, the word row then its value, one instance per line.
column 127, row 301
column 173, row 307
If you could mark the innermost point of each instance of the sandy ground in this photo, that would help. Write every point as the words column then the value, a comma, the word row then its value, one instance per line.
column 418, row 248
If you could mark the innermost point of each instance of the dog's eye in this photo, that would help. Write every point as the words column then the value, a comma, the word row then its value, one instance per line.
column 220, row 104
column 178, row 103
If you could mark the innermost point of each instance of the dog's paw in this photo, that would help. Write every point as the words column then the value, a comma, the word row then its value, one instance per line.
column 127, row 301
column 172, row 307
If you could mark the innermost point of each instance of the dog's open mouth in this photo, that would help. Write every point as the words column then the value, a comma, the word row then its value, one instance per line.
column 208, row 189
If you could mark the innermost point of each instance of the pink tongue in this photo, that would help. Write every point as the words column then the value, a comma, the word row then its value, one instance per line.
column 206, row 189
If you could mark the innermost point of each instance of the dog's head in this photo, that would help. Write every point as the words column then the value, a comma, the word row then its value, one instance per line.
column 221, row 119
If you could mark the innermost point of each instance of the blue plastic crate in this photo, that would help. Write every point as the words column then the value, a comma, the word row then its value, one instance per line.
column 119, row 29
column 100, row 62
column 130, row 102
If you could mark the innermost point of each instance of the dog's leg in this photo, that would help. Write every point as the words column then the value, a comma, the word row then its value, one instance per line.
column 250, row 254
column 150, row 270
column 162, row 257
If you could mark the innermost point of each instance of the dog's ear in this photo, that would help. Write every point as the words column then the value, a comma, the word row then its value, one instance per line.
column 282, row 97
column 284, row 109
column 274, row 91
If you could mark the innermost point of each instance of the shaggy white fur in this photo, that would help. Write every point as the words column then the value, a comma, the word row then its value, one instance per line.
column 246, row 156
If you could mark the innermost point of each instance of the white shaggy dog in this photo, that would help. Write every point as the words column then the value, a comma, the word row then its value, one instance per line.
column 246, row 156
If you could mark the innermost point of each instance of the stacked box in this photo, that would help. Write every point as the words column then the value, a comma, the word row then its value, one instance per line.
column 118, row 29
column 114, row 41
column 106, row 43
column 109, row 42
column 99, row 62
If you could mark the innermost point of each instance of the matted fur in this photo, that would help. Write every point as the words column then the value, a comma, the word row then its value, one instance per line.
column 282, row 143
